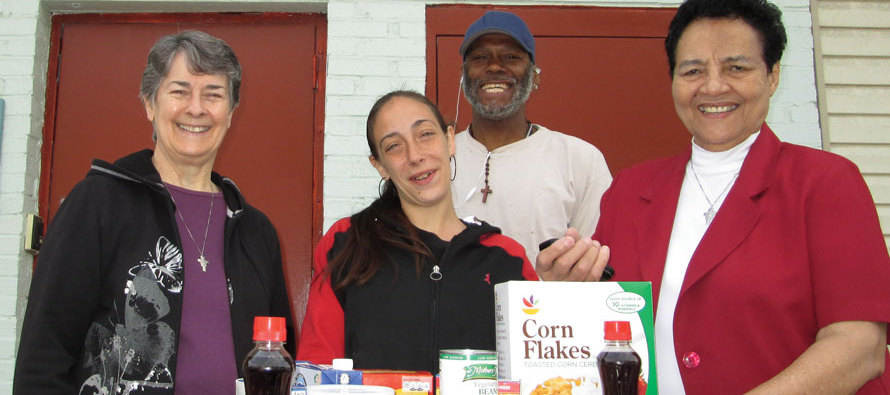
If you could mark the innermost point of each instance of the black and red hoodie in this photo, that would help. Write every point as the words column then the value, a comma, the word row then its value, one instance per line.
column 400, row 319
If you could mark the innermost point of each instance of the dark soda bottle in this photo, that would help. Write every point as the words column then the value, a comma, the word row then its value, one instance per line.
column 619, row 364
column 268, row 367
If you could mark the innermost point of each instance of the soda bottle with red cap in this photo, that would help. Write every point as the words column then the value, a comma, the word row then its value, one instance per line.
column 268, row 367
column 619, row 364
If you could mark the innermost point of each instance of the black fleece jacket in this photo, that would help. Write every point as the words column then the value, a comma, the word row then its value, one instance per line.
column 106, row 297
column 401, row 320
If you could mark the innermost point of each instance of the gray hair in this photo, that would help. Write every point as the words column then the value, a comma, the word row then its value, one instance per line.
column 204, row 53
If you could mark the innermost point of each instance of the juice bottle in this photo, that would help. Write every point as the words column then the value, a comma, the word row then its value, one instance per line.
column 619, row 364
column 268, row 367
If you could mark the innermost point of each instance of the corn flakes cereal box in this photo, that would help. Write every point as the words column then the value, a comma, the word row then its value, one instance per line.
column 550, row 333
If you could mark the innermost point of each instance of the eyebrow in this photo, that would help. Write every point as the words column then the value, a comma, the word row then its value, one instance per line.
column 188, row 85
column 181, row 83
column 691, row 62
column 420, row 122
column 413, row 125
column 386, row 136
column 696, row 62
column 736, row 58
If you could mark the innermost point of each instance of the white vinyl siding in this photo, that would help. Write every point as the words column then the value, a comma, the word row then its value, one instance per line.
column 853, row 49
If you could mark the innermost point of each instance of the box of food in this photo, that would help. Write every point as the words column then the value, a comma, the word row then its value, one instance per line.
column 405, row 382
column 550, row 333
column 306, row 374
column 508, row 387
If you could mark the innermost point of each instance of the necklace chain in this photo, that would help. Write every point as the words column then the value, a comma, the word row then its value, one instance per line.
column 710, row 213
column 486, row 190
column 201, row 260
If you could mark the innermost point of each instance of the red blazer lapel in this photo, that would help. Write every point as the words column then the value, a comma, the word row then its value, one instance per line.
column 655, row 221
column 740, row 211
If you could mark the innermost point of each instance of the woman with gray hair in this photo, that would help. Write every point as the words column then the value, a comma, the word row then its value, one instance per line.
column 109, row 310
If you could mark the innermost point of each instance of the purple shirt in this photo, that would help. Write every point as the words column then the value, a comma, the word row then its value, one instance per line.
column 206, row 361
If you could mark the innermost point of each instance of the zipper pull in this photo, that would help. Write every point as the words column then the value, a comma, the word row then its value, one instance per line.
column 436, row 275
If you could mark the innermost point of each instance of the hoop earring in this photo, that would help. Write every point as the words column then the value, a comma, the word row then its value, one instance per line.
column 453, row 167
column 380, row 186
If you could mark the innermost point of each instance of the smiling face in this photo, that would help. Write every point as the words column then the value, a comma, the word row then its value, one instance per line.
column 721, row 84
column 414, row 152
column 498, row 76
column 190, row 114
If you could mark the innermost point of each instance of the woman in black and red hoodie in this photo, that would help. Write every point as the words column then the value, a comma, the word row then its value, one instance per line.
column 405, row 277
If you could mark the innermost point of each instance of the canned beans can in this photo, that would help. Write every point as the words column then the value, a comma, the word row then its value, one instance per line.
column 468, row 372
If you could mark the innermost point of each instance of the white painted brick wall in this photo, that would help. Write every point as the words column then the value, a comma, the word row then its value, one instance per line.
column 370, row 43
column 20, row 32
column 374, row 46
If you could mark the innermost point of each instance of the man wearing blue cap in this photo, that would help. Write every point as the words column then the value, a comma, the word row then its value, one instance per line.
column 532, row 182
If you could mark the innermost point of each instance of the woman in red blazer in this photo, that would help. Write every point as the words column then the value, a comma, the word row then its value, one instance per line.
column 769, row 269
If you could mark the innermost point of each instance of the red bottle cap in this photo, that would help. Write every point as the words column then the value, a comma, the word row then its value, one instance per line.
column 269, row 329
column 617, row 330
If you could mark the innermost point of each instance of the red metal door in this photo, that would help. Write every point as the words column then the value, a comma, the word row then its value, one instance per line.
column 272, row 151
column 604, row 75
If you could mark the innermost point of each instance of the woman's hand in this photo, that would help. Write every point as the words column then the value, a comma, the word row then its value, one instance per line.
column 572, row 258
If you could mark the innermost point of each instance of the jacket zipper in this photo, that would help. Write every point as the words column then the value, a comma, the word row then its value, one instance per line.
column 436, row 276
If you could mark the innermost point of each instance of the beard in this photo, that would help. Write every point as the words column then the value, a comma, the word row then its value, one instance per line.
column 495, row 111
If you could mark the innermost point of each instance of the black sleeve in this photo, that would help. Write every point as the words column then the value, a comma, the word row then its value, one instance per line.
column 64, row 293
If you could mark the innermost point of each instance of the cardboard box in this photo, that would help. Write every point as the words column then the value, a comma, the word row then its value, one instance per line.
column 550, row 333
column 306, row 374
column 508, row 387
column 405, row 382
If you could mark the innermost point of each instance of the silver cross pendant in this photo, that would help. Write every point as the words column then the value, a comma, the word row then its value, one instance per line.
column 709, row 215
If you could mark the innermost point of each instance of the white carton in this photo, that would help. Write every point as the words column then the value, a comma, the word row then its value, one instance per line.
column 549, row 333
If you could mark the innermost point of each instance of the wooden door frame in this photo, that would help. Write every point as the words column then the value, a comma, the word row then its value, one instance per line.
column 52, row 87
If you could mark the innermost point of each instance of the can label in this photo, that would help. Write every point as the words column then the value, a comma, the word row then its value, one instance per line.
column 468, row 372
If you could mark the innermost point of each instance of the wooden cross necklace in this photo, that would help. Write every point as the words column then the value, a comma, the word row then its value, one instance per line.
column 486, row 190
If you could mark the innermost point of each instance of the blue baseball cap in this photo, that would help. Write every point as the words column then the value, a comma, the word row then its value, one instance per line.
column 500, row 22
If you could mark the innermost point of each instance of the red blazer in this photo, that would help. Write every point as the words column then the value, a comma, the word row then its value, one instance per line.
column 795, row 246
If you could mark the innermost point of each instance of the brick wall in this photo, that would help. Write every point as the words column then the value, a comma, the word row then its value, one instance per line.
column 374, row 46
column 24, row 32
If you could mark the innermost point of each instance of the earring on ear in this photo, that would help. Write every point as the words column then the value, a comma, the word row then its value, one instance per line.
column 381, row 185
column 453, row 163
